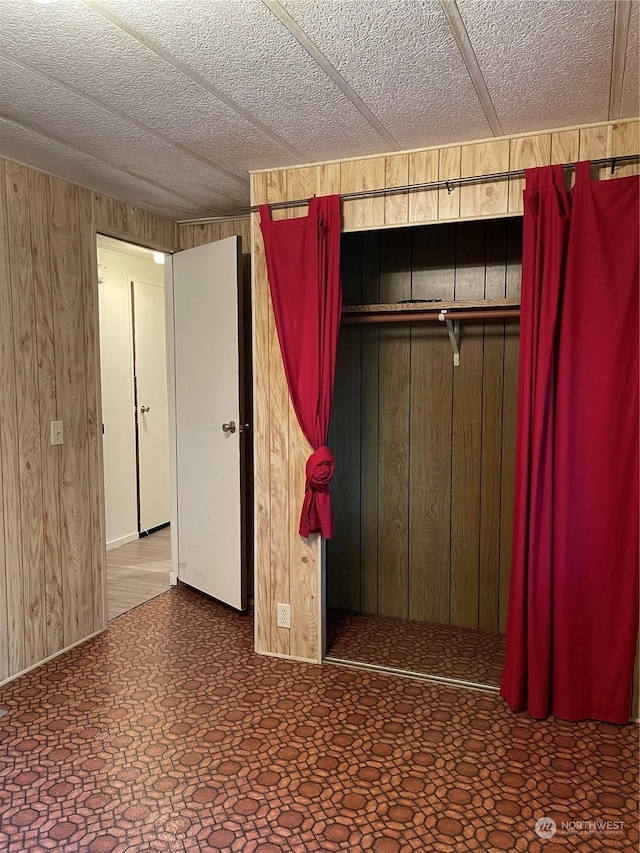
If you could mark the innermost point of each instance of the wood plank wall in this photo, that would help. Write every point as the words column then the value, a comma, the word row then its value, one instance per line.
column 51, row 498
column 425, row 451
column 210, row 232
column 288, row 568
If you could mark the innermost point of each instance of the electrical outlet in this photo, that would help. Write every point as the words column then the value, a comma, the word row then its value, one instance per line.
column 284, row 615
column 56, row 432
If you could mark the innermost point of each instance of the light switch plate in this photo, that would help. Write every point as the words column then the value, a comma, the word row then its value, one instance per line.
column 56, row 432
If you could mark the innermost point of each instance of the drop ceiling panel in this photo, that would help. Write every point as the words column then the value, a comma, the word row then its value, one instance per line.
column 546, row 64
column 80, row 48
column 244, row 50
column 631, row 85
column 27, row 147
column 48, row 109
column 402, row 60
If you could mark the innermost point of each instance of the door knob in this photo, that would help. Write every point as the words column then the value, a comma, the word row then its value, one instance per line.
column 230, row 427
column 144, row 409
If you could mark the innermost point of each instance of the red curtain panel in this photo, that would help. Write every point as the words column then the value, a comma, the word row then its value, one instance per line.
column 303, row 266
column 573, row 604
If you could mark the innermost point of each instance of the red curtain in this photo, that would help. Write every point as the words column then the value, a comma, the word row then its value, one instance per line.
column 573, row 601
column 303, row 265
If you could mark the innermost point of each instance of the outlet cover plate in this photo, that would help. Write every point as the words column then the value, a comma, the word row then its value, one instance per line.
column 284, row 615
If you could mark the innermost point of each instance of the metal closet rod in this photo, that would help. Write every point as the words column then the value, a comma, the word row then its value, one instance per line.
column 448, row 185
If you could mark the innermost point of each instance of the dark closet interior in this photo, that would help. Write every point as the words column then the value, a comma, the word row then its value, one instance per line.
column 418, row 571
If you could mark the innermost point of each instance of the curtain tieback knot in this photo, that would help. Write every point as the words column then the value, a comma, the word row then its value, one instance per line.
column 316, row 514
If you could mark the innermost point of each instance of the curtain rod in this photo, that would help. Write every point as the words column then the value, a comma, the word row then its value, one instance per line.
column 448, row 184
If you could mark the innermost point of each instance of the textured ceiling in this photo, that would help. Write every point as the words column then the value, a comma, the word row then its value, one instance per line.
column 167, row 103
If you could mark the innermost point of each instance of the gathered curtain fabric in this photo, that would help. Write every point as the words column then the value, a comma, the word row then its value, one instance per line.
column 303, row 267
column 573, row 600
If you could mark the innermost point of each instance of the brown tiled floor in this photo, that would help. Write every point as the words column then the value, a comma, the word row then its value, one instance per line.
column 441, row 650
column 168, row 734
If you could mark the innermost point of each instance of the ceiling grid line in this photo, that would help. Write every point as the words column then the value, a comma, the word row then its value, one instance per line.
column 334, row 75
column 107, row 163
column 622, row 18
column 460, row 34
column 201, row 81
column 96, row 102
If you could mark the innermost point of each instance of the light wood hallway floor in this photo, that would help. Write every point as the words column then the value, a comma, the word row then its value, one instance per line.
column 138, row 571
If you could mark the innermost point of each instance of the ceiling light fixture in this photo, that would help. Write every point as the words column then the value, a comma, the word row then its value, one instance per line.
column 158, row 257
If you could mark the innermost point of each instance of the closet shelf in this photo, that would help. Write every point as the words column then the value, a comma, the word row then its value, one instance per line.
column 449, row 313
column 415, row 312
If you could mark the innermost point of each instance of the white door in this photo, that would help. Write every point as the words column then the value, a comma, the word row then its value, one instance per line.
column 150, row 377
column 202, row 292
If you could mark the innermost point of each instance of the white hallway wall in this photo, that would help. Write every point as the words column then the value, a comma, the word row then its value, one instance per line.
column 119, row 265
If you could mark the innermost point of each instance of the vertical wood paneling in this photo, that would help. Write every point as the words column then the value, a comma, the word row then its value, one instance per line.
column 427, row 256
column 524, row 153
column 358, row 175
column 95, row 503
column 449, row 170
column 625, row 139
column 281, row 498
column 13, row 544
column 261, row 428
column 423, row 169
column 304, row 559
column 491, row 434
column 466, row 434
column 29, row 450
column 189, row 236
column 51, row 514
column 594, row 144
column 369, row 433
column 393, row 419
column 433, row 273
column 484, row 198
column 328, row 179
column 5, row 327
column 38, row 203
column 72, row 396
column 396, row 174
column 276, row 190
column 565, row 147
column 345, row 440
column 301, row 183
column 367, row 214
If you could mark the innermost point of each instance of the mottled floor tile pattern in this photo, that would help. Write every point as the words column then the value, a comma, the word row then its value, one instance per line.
column 441, row 650
column 167, row 733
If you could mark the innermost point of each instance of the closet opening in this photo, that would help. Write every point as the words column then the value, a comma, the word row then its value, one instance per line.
column 417, row 575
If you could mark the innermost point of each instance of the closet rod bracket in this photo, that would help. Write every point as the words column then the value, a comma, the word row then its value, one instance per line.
column 453, row 328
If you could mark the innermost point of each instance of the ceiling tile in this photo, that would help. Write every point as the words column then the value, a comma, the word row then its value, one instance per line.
column 80, row 48
column 48, row 109
column 402, row 60
column 29, row 148
column 546, row 64
column 242, row 49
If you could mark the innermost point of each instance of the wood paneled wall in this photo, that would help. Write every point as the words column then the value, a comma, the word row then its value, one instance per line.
column 210, row 232
column 288, row 568
column 425, row 451
column 52, row 549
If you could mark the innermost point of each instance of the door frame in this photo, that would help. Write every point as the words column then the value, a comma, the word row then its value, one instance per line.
column 152, row 246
